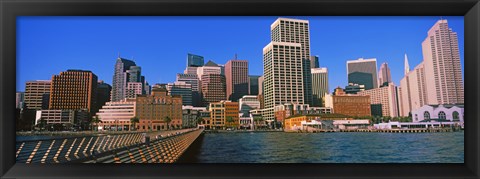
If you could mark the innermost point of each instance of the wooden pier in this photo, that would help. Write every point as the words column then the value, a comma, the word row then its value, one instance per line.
column 162, row 147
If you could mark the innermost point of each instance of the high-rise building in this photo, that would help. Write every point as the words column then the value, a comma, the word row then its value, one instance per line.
column 34, row 91
column 153, row 110
column 363, row 72
column 120, row 78
column 224, row 114
column 314, row 63
column 442, row 65
column 253, row 84
column 209, row 68
column 236, row 76
column 319, row 86
column 413, row 92
column 134, row 74
column 385, row 76
column 133, row 89
column 296, row 31
column 103, row 93
column 190, row 70
column 19, row 100
column 261, row 85
column 283, row 75
column 385, row 97
column 213, row 88
column 183, row 89
column 195, row 83
column 194, row 60
column 74, row 89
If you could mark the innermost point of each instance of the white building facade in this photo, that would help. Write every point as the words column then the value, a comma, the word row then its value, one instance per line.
column 116, row 115
column 441, row 112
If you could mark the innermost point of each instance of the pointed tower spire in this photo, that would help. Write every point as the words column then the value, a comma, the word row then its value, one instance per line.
column 407, row 67
column 118, row 54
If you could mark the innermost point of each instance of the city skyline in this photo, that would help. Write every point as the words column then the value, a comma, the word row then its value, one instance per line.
column 152, row 60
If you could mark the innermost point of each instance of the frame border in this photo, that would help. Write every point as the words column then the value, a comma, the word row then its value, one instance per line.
column 10, row 9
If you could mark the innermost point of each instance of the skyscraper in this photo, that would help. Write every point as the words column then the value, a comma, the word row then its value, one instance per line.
column 412, row 91
column 120, row 80
column 253, row 84
column 385, row 97
column 384, row 75
column 236, row 76
column 34, row 92
column 195, row 83
column 363, row 72
column 213, row 88
column 209, row 68
column 296, row 31
column 442, row 65
column 103, row 93
column 283, row 75
column 194, row 60
column 319, row 86
column 314, row 63
column 74, row 89
column 183, row 89
column 19, row 100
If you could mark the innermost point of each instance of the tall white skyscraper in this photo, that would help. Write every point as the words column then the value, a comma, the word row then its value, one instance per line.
column 442, row 65
column 283, row 79
column 296, row 31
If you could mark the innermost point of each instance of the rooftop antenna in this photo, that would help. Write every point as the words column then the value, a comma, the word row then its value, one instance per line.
column 235, row 56
column 118, row 54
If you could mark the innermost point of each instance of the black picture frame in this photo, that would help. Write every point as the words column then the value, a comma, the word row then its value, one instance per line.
column 10, row 9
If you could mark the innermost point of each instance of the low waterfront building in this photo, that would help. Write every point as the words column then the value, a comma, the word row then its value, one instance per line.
column 447, row 112
column 65, row 118
column 248, row 103
column 224, row 114
column 351, row 124
column 416, row 125
column 206, row 122
column 154, row 110
column 295, row 122
column 115, row 116
column 348, row 104
column 288, row 109
column 190, row 116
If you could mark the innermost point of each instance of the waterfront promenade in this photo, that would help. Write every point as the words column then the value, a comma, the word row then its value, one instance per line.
column 169, row 145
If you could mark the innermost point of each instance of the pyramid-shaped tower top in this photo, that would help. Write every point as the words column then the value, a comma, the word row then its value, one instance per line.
column 211, row 64
column 407, row 67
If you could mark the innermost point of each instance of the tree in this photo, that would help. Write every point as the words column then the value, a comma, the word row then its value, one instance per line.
column 230, row 120
column 199, row 120
column 134, row 120
column 42, row 123
column 96, row 120
column 167, row 119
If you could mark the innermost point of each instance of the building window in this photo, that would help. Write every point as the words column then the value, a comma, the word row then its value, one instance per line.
column 441, row 115
column 455, row 115
column 426, row 115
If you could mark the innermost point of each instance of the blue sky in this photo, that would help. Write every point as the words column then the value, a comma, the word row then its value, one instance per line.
column 48, row 45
